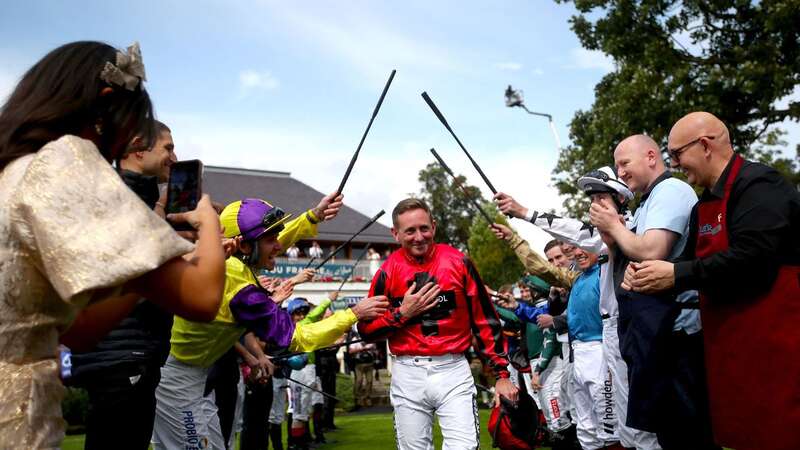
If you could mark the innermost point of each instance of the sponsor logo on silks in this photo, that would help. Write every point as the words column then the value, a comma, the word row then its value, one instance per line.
column 554, row 407
column 608, row 399
column 707, row 229
column 192, row 439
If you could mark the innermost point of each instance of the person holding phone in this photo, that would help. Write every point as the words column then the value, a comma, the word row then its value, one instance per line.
column 184, row 416
column 121, row 372
column 184, row 189
column 78, row 246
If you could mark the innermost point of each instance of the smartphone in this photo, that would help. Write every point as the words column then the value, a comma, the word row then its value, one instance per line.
column 184, row 189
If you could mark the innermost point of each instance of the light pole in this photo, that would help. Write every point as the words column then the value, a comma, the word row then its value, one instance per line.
column 514, row 98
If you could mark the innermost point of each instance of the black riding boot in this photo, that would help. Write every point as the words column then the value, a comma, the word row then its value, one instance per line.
column 276, row 436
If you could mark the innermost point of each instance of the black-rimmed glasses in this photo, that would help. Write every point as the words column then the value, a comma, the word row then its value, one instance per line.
column 675, row 153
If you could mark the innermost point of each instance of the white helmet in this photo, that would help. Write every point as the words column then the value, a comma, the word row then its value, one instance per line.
column 604, row 180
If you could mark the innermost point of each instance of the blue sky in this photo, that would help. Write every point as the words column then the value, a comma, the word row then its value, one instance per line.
column 290, row 86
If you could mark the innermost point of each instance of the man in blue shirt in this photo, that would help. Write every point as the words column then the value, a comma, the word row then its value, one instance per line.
column 660, row 335
column 591, row 387
column 603, row 186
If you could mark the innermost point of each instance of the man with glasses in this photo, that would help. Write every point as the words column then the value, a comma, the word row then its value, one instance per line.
column 743, row 256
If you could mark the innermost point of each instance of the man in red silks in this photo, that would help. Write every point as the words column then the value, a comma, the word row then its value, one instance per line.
column 438, row 302
column 743, row 255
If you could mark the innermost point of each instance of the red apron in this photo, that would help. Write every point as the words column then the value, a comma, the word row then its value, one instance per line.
column 752, row 348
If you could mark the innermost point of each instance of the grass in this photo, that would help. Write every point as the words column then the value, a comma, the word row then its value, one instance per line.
column 356, row 432
column 73, row 442
column 360, row 431
column 344, row 391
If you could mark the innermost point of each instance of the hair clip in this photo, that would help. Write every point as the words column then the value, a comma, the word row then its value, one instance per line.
column 128, row 72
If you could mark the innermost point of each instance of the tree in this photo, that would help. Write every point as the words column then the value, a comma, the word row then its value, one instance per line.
column 496, row 262
column 735, row 58
column 451, row 209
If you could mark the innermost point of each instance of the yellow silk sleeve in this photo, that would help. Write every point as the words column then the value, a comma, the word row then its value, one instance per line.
column 298, row 228
column 308, row 337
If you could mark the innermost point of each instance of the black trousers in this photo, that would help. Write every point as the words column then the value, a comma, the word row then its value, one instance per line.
column 121, row 412
column 327, row 368
column 255, row 429
column 667, row 392
column 645, row 336
column 687, row 423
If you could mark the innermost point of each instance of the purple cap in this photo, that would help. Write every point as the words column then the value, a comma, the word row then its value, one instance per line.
column 257, row 217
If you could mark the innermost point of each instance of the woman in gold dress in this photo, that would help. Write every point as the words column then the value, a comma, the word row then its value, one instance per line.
column 72, row 234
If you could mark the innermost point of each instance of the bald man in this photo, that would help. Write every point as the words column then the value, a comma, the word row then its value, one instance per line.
column 660, row 339
column 744, row 257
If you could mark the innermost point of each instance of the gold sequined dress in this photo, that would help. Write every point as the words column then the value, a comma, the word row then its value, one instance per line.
column 68, row 227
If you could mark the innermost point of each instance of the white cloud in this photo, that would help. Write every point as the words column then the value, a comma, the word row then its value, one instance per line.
column 385, row 172
column 537, row 71
column 367, row 44
column 254, row 80
column 580, row 58
column 509, row 66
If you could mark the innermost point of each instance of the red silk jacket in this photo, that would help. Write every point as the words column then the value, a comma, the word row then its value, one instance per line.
column 464, row 309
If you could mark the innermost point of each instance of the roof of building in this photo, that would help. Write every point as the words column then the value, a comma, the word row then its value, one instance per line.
column 226, row 184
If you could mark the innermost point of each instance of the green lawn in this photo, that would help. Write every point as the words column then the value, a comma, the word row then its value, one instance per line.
column 73, row 442
column 356, row 432
column 360, row 431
